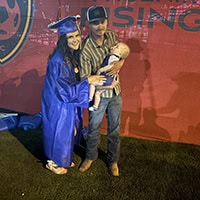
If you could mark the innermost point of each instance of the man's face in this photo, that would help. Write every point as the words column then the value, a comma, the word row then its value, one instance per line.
column 98, row 28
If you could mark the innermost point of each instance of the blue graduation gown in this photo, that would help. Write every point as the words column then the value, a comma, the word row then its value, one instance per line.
column 63, row 100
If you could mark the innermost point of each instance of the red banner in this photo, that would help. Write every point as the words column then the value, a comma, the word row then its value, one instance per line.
column 160, row 78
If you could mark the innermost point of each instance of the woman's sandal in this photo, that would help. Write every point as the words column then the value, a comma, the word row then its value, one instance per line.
column 55, row 168
column 72, row 164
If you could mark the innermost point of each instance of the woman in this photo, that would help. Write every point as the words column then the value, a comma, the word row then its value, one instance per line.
column 63, row 97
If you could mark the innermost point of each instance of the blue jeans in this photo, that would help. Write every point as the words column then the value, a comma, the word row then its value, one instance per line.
column 112, row 107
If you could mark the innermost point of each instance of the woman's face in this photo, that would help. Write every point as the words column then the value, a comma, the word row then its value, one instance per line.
column 73, row 40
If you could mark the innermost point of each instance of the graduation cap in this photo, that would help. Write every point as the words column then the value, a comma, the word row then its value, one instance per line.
column 66, row 25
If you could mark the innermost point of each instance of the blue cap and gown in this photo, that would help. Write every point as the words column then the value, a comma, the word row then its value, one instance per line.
column 63, row 100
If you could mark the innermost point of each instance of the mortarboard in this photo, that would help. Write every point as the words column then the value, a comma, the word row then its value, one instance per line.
column 66, row 25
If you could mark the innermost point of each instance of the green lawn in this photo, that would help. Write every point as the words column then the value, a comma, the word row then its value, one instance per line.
column 150, row 170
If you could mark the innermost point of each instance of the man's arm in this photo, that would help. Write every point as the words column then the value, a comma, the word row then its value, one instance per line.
column 114, row 83
column 85, row 66
column 104, row 69
column 116, row 68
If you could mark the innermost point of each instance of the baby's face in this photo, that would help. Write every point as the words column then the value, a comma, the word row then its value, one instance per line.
column 116, row 50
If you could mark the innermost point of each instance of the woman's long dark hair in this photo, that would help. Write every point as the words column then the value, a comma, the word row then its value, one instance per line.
column 63, row 47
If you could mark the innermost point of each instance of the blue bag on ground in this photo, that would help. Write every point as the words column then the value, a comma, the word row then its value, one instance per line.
column 28, row 122
column 9, row 122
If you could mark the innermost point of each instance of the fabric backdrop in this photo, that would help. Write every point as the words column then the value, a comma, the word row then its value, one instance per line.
column 160, row 79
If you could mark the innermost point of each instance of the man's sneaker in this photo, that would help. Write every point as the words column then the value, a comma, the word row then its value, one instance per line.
column 85, row 165
column 113, row 169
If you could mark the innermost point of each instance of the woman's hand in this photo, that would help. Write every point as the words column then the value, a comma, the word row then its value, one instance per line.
column 97, row 79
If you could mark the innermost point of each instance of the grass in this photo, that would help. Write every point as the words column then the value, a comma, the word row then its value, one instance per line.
column 150, row 170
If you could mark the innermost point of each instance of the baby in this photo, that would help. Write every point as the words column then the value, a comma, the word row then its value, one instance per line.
column 117, row 52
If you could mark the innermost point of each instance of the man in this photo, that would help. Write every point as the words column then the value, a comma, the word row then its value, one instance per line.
column 95, row 48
